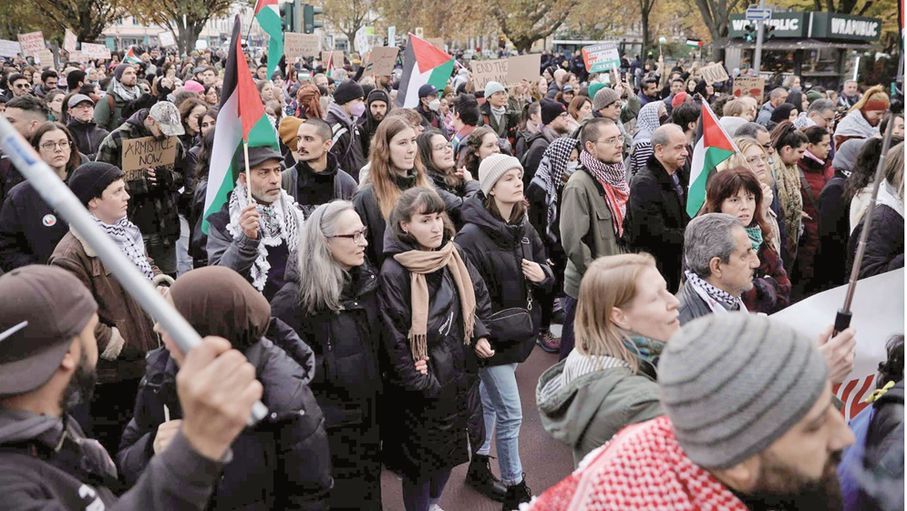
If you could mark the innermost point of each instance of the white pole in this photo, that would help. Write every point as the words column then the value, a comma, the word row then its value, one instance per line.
column 60, row 198
column 760, row 29
column 856, row 68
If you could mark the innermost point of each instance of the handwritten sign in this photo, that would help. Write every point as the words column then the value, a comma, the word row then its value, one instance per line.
column 382, row 60
column 523, row 67
column 297, row 45
column 749, row 86
column 166, row 39
column 31, row 43
column 95, row 51
column 713, row 73
column 148, row 152
column 601, row 57
column 69, row 40
column 77, row 56
column 9, row 48
column 484, row 71
column 334, row 57
column 45, row 57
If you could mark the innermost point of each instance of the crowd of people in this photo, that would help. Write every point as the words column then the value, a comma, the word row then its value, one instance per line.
column 378, row 279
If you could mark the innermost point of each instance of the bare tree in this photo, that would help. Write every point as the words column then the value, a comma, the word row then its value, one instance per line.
column 526, row 21
column 185, row 18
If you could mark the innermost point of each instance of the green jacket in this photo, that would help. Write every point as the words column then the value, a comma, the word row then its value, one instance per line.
column 591, row 409
column 586, row 230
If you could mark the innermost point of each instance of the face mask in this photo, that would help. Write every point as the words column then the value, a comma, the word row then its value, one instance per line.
column 572, row 166
column 358, row 109
column 434, row 105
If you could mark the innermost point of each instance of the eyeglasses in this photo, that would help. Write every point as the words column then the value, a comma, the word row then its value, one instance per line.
column 612, row 141
column 357, row 236
column 48, row 146
column 20, row 85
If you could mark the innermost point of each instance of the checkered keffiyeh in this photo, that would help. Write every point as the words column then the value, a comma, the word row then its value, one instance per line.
column 641, row 468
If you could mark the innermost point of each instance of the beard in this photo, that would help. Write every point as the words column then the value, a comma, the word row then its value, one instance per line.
column 783, row 487
column 81, row 387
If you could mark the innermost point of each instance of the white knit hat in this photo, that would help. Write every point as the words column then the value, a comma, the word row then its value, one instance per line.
column 493, row 167
column 492, row 88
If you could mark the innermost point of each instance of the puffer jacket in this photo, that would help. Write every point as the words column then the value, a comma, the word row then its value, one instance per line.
column 427, row 414
column 281, row 463
column 497, row 250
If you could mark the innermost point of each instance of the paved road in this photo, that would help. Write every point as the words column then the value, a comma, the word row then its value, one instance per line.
column 545, row 460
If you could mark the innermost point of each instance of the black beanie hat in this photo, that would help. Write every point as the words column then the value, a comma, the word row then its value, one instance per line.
column 348, row 91
column 91, row 179
column 378, row 95
column 119, row 70
column 551, row 109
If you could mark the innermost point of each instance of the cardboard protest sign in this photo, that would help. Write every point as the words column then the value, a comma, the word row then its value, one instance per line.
column 878, row 313
column 523, row 67
column 9, row 48
column 713, row 73
column 749, row 86
column 382, row 60
column 95, row 51
column 335, row 57
column 484, row 71
column 166, row 39
column 69, row 40
column 601, row 57
column 148, row 152
column 77, row 56
column 45, row 57
column 297, row 45
column 31, row 43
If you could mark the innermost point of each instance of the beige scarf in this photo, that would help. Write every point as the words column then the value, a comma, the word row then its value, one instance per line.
column 420, row 263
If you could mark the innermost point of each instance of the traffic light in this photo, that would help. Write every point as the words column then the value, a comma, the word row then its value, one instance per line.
column 769, row 32
column 749, row 32
column 309, row 23
column 287, row 17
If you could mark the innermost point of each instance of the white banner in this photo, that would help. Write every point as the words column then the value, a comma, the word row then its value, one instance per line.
column 166, row 39
column 9, row 48
column 69, row 40
column 95, row 51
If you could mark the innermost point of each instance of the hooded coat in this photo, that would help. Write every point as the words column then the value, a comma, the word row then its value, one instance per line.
column 311, row 189
column 426, row 415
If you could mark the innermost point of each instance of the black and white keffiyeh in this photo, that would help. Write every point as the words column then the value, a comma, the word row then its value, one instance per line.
column 552, row 173
column 717, row 300
column 128, row 238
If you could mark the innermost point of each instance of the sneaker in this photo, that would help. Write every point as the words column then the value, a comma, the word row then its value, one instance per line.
column 548, row 342
column 435, row 507
column 516, row 495
column 480, row 477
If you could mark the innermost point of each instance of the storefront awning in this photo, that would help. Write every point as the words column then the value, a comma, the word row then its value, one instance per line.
column 801, row 44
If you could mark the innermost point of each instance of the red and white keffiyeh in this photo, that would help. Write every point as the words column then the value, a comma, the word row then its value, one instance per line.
column 642, row 468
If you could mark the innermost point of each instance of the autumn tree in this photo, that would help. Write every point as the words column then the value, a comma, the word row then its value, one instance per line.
column 348, row 16
column 527, row 21
column 86, row 18
column 715, row 14
column 448, row 20
column 185, row 18
column 22, row 17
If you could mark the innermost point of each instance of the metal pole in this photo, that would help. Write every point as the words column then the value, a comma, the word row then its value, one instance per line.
column 757, row 54
column 61, row 199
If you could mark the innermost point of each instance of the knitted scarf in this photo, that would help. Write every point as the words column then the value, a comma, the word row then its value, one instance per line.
column 129, row 240
column 612, row 177
column 421, row 263
column 279, row 223
column 755, row 235
column 791, row 201
column 126, row 93
column 642, row 467
column 717, row 300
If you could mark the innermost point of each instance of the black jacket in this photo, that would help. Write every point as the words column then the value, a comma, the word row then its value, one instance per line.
column 884, row 454
column 281, row 463
column 366, row 205
column 834, row 234
column 9, row 177
column 347, row 143
column 497, row 250
column 535, row 149
column 454, row 197
column 885, row 245
column 432, row 120
column 311, row 189
column 426, row 427
column 509, row 122
column 88, row 136
column 29, row 228
column 656, row 218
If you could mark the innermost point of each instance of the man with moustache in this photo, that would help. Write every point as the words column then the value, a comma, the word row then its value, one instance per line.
column 48, row 356
column 316, row 178
column 750, row 424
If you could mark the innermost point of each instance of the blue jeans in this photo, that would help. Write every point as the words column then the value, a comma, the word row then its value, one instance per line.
column 503, row 415
column 567, row 337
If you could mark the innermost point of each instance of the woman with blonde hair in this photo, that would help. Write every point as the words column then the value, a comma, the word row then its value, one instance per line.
column 624, row 315
column 393, row 169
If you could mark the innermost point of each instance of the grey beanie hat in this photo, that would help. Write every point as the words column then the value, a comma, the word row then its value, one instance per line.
column 734, row 383
column 493, row 167
column 604, row 98
column 846, row 155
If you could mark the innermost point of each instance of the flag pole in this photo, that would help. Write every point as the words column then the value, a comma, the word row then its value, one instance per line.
column 251, row 21
column 245, row 152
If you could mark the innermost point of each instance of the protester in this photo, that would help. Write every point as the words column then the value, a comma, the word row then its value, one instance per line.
column 858, row 188
column 429, row 106
column 509, row 256
column 850, row 94
column 255, row 238
column 25, row 113
column 625, row 314
column 815, row 172
column 719, row 446
column 316, row 178
column 481, row 144
column 308, row 101
column 466, row 118
column 864, row 117
column 377, row 105
column 88, row 136
column 781, row 113
column 433, row 306
column 49, row 360
column 122, row 91
column 790, row 145
column 648, row 120
column 777, row 97
column 331, row 300
column 496, row 114
column 455, row 186
column 348, row 106
column 554, row 125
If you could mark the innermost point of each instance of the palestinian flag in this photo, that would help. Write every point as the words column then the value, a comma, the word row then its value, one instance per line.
column 268, row 16
column 422, row 63
column 713, row 147
column 241, row 119
column 131, row 57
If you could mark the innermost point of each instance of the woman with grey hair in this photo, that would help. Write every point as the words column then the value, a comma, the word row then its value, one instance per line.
column 330, row 299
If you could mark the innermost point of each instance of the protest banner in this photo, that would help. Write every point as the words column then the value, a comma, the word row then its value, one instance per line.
column 95, row 51
column 749, row 86
column 878, row 313
column 69, row 40
column 77, row 56
column 601, row 58
column 523, row 67
column 45, row 57
column 382, row 60
column 31, row 43
column 297, row 45
column 713, row 73
column 148, row 152
column 484, row 71
column 9, row 48
column 166, row 39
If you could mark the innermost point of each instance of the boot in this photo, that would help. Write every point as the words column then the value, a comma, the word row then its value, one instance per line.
column 517, row 495
column 479, row 476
